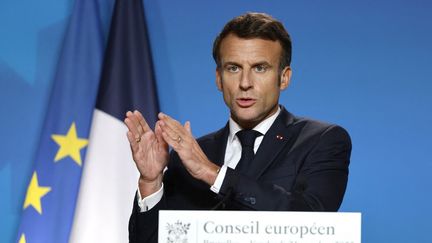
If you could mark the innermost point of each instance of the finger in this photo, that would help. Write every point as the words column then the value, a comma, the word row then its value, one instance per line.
column 159, row 137
column 142, row 121
column 132, row 128
column 171, row 122
column 174, row 143
column 188, row 128
column 133, row 143
column 173, row 125
column 174, row 129
column 169, row 135
column 172, row 134
column 134, row 118
column 132, row 122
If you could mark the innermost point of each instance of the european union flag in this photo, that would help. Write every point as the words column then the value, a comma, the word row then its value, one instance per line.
column 49, row 203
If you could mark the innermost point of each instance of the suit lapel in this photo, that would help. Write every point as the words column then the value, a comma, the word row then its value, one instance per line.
column 273, row 142
column 217, row 146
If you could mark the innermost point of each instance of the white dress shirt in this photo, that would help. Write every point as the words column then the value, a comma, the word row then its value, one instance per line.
column 232, row 157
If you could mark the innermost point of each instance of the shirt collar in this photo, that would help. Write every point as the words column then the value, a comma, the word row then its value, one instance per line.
column 262, row 127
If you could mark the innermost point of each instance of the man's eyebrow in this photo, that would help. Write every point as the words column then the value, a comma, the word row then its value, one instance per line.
column 263, row 63
column 231, row 63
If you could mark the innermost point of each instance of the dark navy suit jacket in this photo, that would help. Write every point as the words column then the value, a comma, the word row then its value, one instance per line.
column 301, row 165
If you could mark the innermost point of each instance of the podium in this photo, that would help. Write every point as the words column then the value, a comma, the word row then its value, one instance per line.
column 258, row 227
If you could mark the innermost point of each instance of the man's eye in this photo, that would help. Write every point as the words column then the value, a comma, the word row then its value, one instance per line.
column 233, row 69
column 260, row 68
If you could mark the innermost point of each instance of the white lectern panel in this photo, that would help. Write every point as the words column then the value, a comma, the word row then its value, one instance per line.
column 258, row 227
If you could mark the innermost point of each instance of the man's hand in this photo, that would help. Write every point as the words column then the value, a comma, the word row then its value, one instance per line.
column 149, row 151
column 180, row 138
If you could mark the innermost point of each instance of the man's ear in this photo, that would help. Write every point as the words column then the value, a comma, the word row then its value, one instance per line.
column 219, row 79
column 285, row 77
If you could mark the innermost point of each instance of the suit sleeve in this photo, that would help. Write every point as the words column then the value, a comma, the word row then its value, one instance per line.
column 319, row 185
column 143, row 227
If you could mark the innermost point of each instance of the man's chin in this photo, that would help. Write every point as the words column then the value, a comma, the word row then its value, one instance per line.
column 246, row 121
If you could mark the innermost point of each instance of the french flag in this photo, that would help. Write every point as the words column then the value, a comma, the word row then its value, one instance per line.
column 110, row 178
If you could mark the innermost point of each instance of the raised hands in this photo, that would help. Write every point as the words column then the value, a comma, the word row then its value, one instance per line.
column 149, row 151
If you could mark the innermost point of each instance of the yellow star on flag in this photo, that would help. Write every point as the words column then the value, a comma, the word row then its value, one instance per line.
column 22, row 239
column 34, row 194
column 70, row 145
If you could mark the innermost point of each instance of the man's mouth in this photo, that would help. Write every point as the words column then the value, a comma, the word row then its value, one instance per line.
column 245, row 102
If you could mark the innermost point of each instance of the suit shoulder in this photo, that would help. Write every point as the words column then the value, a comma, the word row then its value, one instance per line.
column 307, row 124
column 321, row 128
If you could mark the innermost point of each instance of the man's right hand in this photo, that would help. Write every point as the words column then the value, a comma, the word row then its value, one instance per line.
column 149, row 151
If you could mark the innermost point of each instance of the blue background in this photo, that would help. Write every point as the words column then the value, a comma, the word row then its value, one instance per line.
column 366, row 65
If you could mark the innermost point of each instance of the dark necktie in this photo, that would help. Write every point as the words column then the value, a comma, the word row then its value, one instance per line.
column 247, row 140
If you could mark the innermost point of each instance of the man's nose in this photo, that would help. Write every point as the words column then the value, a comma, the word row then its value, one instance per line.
column 246, row 80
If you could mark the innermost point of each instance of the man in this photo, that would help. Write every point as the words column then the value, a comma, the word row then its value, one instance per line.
column 264, row 159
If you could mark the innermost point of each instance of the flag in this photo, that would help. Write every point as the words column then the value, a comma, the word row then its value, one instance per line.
column 110, row 177
column 49, row 203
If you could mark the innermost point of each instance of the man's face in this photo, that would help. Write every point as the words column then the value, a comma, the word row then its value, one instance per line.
column 249, row 78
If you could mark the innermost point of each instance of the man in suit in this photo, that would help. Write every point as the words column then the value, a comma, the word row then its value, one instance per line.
column 265, row 158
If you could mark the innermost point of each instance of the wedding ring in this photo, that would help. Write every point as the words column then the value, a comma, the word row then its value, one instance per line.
column 138, row 139
column 179, row 139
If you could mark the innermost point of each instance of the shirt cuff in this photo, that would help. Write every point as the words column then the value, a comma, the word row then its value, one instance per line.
column 147, row 203
column 219, row 180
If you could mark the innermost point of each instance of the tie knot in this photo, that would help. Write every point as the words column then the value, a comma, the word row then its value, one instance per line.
column 247, row 137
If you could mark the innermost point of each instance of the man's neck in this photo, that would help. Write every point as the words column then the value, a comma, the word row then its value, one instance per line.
column 261, row 127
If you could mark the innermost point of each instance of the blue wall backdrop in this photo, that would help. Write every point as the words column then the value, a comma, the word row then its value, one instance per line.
column 366, row 65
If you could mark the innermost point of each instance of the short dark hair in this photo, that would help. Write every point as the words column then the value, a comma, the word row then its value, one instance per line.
column 256, row 25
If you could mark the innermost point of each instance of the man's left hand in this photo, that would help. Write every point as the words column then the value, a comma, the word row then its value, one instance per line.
column 180, row 138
